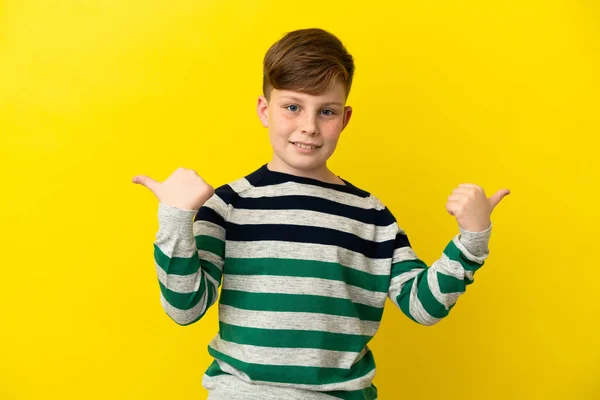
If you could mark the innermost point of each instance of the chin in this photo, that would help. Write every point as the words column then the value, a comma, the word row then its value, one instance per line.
column 305, row 165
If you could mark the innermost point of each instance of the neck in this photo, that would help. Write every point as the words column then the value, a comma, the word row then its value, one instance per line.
column 321, row 173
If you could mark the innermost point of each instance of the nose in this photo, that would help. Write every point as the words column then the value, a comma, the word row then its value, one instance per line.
column 308, row 125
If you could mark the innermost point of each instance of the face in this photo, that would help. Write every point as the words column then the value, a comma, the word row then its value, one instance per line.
column 304, row 129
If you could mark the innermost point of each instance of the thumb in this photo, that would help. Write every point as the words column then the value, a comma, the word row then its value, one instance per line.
column 147, row 182
column 499, row 195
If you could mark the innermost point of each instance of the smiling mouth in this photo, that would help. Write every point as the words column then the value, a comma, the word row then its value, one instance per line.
column 305, row 146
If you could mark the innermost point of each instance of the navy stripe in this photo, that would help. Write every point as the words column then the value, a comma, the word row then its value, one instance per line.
column 309, row 234
column 226, row 193
column 401, row 241
column 210, row 215
column 368, row 216
column 265, row 177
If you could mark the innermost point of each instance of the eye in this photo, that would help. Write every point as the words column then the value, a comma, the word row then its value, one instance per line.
column 292, row 108
column 327, row 112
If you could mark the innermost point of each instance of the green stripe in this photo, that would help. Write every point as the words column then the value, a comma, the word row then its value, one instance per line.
column 428, row 300
column 211, row 244
column 299, row 303
column 406, row 266
column 449, row 284
column 288, row 338
column 307, row 269
column 183, row 301
column 298, row 375
column 176, row 265
column 455, row 254
column 369, row 393
column 403, row 299
column 214, row 369
column 211, row 270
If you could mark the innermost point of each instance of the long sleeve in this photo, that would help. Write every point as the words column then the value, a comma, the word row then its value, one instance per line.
column 427, row 294
column 189, row 256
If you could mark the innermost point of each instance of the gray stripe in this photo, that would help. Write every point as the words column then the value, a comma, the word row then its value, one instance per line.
column 296, row 321
column 449, row 267
column 175, row 235
column 240, row 185
column 211, row 258
column 277, row 356
column 467, row 253
column 309, row 252
column 315, row 219
column 398, row 282
column 417, row 310
column 179, row 283
column 301, row 189
column 447, row 299
column 452, row 268
column 354, row 384
column 300, row 285
column 207, row 228
column 184, row 317
column 403, row 254
column 218, row 205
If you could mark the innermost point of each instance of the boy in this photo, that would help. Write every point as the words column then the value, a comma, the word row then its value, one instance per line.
column 306, row 259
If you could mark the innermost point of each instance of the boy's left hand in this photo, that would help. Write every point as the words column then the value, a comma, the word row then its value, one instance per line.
column 472, row 208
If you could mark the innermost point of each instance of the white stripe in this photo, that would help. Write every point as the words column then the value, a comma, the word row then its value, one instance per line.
column 308, row 252
column 398, row 282
column 447, row 299
column 361, row 382
column 184, row 317
column 403, row 254
column 211, row 258
column 467, row 253
column 302, row 285
column 218, row 205
column 207, row 228
column 296, row 320
column 449, row 267
column 278, row 356
column 179, row 283
column 317, row 219
column 240, row 185
column 301, row 189
column 417, row 310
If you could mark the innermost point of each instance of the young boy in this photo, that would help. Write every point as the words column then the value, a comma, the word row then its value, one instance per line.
column 306, row 259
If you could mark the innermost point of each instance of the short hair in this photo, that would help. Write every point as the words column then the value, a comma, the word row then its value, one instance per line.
column 308, row 61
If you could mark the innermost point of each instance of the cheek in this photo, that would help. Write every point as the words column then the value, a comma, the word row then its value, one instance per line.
column 333, row 128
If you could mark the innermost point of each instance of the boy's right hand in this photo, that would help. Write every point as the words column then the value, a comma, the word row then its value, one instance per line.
column 183, row 189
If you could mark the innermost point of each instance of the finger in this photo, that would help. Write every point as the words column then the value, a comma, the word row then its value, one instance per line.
column 460, row 197
column 147, row 182
column 453, row 207
column 462, row 190
column 499, row 195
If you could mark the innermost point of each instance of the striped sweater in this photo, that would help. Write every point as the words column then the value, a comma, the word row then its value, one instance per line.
column 305, row 268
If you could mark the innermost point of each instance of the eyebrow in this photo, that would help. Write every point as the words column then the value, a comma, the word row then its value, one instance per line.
column 296, row 99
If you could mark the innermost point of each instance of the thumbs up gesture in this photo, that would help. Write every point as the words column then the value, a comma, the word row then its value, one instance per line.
column 183, row 189
column 471, row 206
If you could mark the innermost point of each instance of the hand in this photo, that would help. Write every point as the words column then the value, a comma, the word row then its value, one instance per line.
column 184, row 189
column 472, row 208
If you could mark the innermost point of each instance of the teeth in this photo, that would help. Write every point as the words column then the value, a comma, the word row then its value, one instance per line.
column 303, row 146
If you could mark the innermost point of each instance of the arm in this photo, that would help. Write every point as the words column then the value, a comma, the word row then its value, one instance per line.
column 427, row 294
column 189, row 255
column 188, row 251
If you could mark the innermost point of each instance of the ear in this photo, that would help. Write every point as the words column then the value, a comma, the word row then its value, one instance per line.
column 262, row 109
column 347, row 116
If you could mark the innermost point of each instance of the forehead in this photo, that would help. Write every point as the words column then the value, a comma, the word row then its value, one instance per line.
column 334, row 94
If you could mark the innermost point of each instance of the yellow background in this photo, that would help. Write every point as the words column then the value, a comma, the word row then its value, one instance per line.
column 502, row 94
